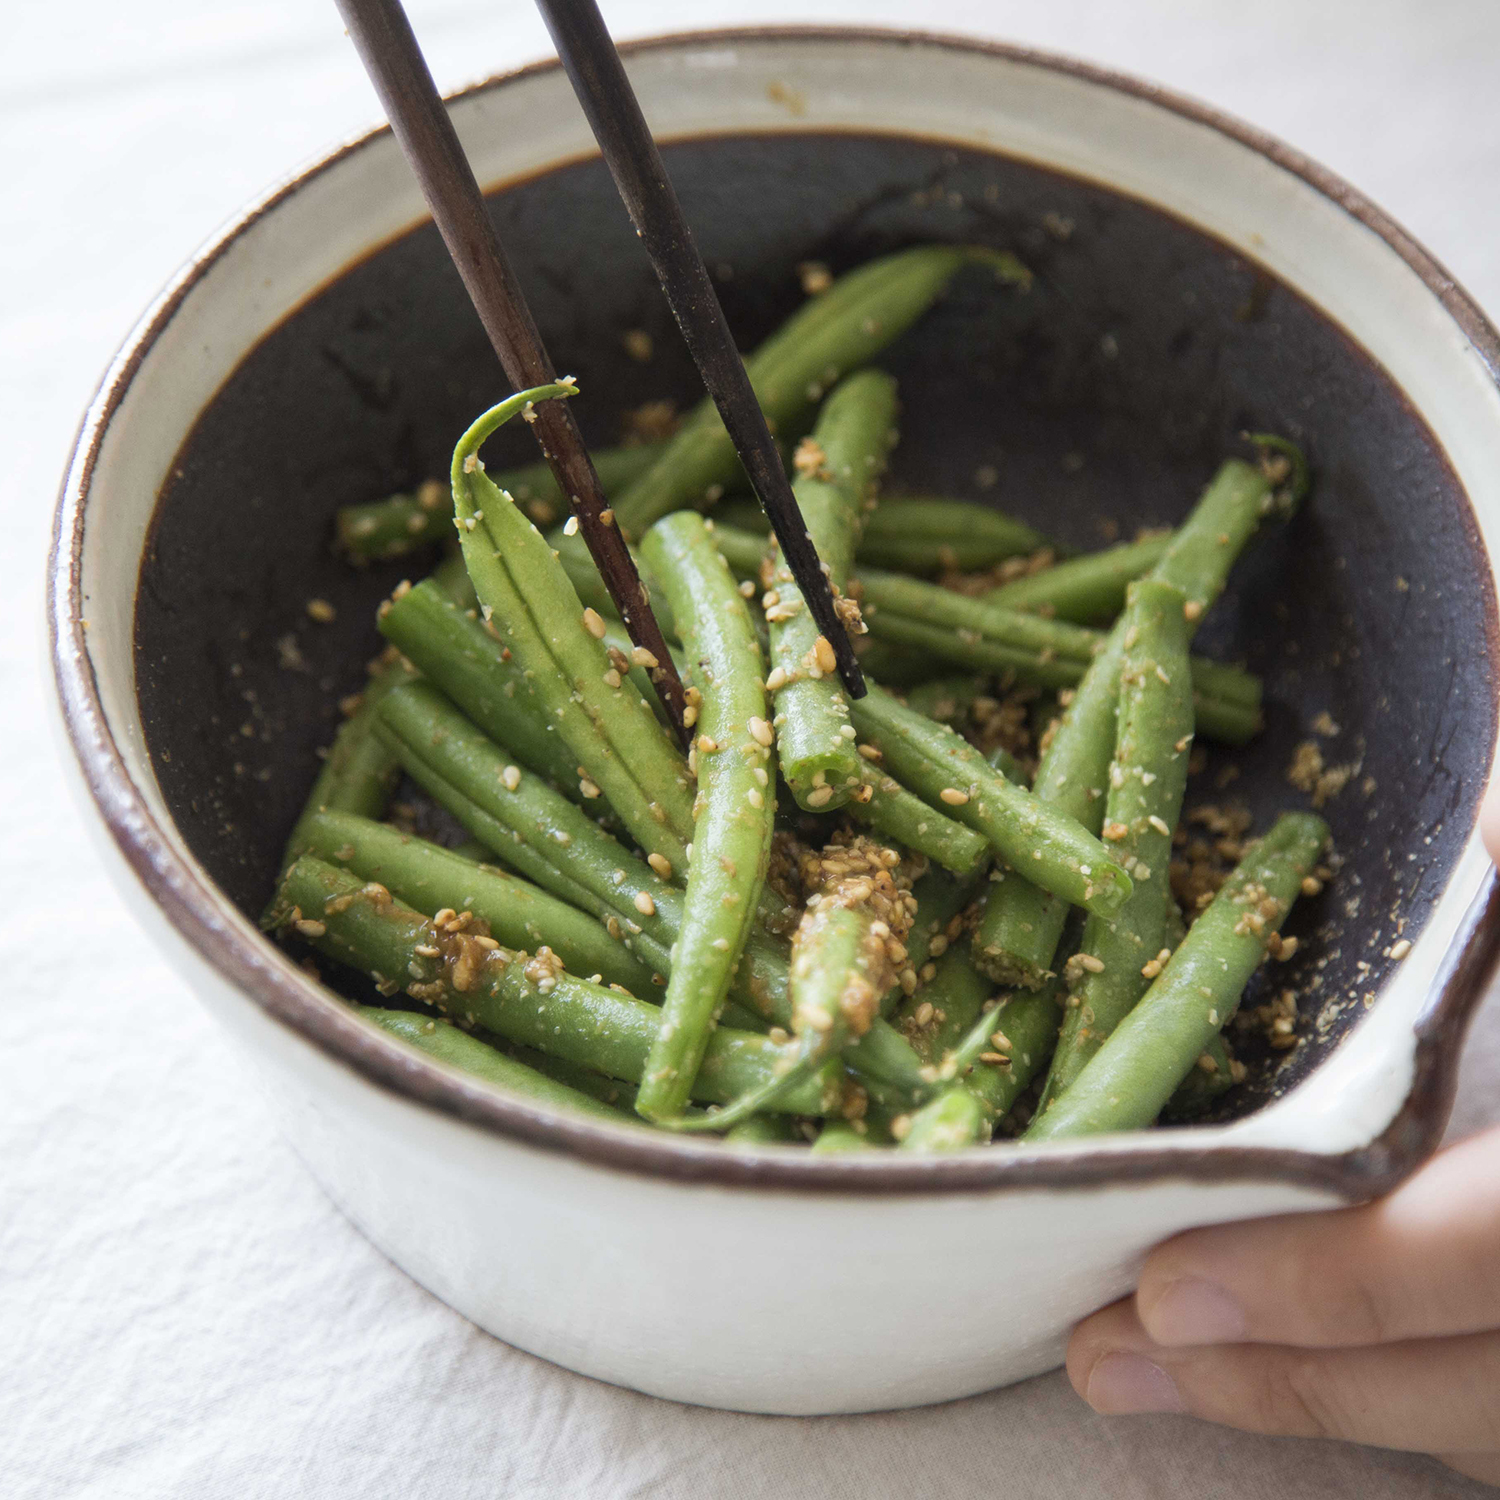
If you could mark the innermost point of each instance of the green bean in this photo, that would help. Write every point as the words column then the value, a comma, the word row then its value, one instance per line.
column 764, row 1130
column 1083, row 589
column 1151, row 1051
column 843, row 329
column 898, row 814
column 526, row 594
column 735, row 806
column 1147, row 781
column 538, row 832
column 838, row 1136
column 839, row 468
column 458, row 654
column 444, row 1041
column 948, row 699
column 917, row 534
column 1018, row 934
column 618, row 1095
column 1211, row 1076
column 1044, row 652
column 941, row 766
column 520, row 915
column 359, row 773
column 401, row 524
column 523, row 1002
column 951, row 1121
column 926, row 535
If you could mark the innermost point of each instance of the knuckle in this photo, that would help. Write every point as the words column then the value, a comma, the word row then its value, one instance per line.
column 1300, row 1399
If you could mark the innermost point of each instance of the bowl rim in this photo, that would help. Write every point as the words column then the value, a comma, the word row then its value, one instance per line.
column 194, row 906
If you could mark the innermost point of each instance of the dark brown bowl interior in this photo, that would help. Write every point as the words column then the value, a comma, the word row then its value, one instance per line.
column 1103, row 401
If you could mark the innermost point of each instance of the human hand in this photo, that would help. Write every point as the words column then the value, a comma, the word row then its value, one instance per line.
column 1378, row 1324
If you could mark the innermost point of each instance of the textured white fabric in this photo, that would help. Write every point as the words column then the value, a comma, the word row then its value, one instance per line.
column 182, row 1313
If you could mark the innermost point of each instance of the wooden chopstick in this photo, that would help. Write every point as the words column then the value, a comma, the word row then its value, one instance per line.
column 388, row 47
column 593, row 65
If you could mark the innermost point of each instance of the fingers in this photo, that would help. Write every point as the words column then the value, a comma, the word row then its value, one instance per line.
column 1489, row 818
column 1423, row 1262
column 1426, row 1396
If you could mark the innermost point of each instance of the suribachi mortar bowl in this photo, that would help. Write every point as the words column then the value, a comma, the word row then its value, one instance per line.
column 1193, row 279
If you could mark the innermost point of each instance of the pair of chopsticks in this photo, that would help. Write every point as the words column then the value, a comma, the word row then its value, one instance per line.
column 392, row 57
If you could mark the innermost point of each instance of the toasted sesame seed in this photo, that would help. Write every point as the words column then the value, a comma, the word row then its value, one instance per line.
column 755, row 797
column 1160, row 825
column 747, row 589
column 593, row 622
column 820, row 796
column 1400, row 949
column 641, row 657
column 760, row 731
column 321, row 611
column 570, row 526
column 511, row 778
column 1191, row 609
column 776, row 679
column 644, row 904
column 661, row 864
column 953, row 797
column 823, row 650
column 1092, row 964
column 612, row 678
column 310, row 927
column 690, row 716
column 589, row 789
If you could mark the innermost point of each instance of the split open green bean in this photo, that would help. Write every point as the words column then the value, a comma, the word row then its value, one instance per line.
column 525, row 593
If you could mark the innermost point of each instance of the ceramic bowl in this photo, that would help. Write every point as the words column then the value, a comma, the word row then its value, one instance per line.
column 1193, row 279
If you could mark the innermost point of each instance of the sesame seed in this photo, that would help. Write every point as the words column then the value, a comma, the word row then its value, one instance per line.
column 511, row 778
column 1092, row 964
column 310, row 927
column 661, row 864
column 644, row 904
column 953, row 797
column 612, row 678
column 820, row 796
column 1159, row 824
column 570, row 526
column 823, row 650
column 641, row 657
column 1192, row 610
column 593, row 623
column 1400, row 949
column 689, row 716
column 777, row 679
column 589, row 789
column 321, row 611
column 760, row 731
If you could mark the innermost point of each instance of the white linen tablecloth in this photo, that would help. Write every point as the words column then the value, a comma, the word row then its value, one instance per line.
column 182, row 1313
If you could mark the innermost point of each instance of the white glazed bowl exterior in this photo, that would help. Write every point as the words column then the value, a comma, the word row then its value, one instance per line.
column 773, row 1282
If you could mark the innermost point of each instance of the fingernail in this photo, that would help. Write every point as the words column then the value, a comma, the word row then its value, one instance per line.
column 1124, row 1384
column 1194, row 1311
